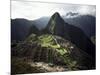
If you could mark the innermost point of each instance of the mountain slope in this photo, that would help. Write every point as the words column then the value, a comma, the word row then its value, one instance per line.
column 21, row 28
column 58, row 27
column 56, row 24
column 86, row 22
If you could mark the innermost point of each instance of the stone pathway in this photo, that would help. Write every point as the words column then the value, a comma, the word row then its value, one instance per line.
column 48, row 67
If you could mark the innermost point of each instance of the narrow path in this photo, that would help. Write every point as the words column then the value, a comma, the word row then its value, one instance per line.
column 48, row 67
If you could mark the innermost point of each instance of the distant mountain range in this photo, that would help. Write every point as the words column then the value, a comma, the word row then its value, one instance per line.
column 86, row 22
column 21, row 28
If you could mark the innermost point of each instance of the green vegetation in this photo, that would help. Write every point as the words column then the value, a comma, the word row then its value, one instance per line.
column 70, row 63
column 31, row 38
column 53, row 23
column 49, row 41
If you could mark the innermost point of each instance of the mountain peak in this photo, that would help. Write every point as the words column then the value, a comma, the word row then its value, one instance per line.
column 56, row 15
column 56, row 23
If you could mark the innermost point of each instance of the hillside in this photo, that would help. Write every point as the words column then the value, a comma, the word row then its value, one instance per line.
column 85, row 22
column 57, row 26
column 52, row 49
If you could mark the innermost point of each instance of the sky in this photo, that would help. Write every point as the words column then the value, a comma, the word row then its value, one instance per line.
column 34, row 10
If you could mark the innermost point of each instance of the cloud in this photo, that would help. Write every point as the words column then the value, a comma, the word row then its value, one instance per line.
column 71, row 14
column 87, row 10
column 34, row 10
